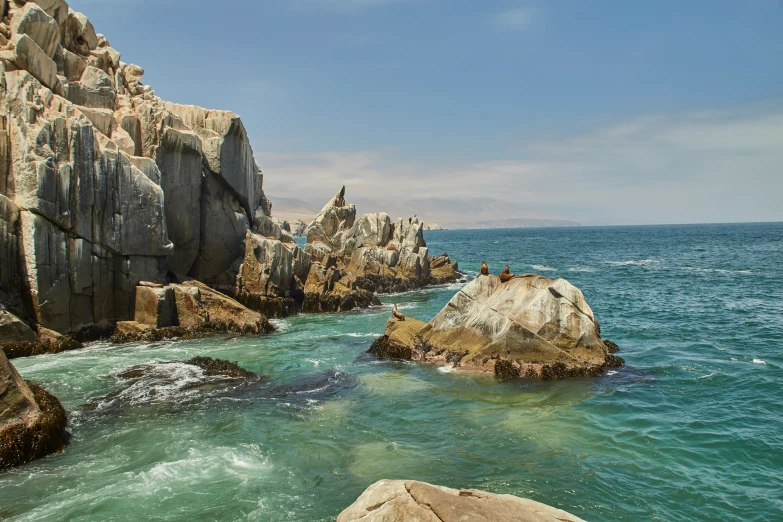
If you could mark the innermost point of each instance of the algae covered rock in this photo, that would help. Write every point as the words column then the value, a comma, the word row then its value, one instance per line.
column 32, row 421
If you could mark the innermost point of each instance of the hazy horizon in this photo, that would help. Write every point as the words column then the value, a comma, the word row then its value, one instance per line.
column 600, row 113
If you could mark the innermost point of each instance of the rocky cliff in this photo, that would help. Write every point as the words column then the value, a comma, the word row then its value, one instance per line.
column 103, row 184
column 528, row 326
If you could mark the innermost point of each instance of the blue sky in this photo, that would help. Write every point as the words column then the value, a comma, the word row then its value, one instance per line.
column 605, row 112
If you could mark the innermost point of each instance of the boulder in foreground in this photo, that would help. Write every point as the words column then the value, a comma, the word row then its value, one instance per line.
column 530, row 326
column 410, row 500
column 32, row 421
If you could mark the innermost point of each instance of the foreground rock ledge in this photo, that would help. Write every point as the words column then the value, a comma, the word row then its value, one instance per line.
column 32, row 421
column 530, row 326
column 410, row 500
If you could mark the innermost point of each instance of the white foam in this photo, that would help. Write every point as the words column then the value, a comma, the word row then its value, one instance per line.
column 446, row 369
column 759, row 361
column 543, row 268
column 637, row 262
column 359, row 334
column 282, row 325
column 162, row 381
column 716, row 270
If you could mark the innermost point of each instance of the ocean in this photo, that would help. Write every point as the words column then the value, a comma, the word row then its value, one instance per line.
column 690, row 429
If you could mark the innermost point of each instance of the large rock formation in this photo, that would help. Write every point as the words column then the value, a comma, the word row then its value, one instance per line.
column 530, row 326
column 398, row 500
column 347, row 259
column 354, row 256
column 102, row 183
column 272, row 274
column 32, row 421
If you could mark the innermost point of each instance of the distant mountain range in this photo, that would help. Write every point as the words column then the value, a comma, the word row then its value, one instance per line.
column 448, row 213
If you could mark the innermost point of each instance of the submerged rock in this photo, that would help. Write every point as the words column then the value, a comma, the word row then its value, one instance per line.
column 398, row 500
column 174, row 381
column 32, row 421
column 530, row 326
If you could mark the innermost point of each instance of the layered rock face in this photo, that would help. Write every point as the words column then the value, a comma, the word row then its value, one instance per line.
column 396, row 500
column 530, row 326
column 102, row 183
column 32, row 421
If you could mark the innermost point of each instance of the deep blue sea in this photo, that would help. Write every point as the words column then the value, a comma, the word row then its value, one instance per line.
column 690, row 429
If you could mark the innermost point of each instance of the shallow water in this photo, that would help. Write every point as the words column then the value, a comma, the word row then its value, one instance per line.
column 690, row 429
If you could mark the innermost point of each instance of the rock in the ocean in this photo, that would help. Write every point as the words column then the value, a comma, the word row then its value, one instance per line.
column 371, row 253
column 411, row 500
column 530, row 326
column 187, row 310
column 32, row 421
column 14, row 331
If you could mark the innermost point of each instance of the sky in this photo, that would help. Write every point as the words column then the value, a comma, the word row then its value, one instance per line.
column 601, row 111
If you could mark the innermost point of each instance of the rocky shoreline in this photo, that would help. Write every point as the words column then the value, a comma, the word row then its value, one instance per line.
column 130, row 218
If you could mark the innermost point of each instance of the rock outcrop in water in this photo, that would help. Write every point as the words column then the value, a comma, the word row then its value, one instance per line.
column 103, row 184
column 397, row 500
column 32, row 421
column 187, row 310
column 346, row 261
column 367, row 254
column 530, row 326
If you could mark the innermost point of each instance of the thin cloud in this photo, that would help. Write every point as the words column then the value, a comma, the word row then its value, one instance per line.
column 691, row 167
column 517, row 19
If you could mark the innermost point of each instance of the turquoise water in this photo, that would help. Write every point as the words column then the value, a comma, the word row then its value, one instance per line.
column 690, row 430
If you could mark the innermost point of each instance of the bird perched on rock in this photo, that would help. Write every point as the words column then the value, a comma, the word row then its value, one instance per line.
column 484, row 268
column 506, row 275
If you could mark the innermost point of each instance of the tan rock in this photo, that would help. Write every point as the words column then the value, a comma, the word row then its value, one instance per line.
column 270, row 267
column 410, row 500
column 155, row 307
column 70, row 65
column 57, row 9
column 14, row 331
column 100, row 118
column 85, row 30
column 530, row 325
column 39, row 26
column 31, row 58
column 198, row 304
column 132, row 328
